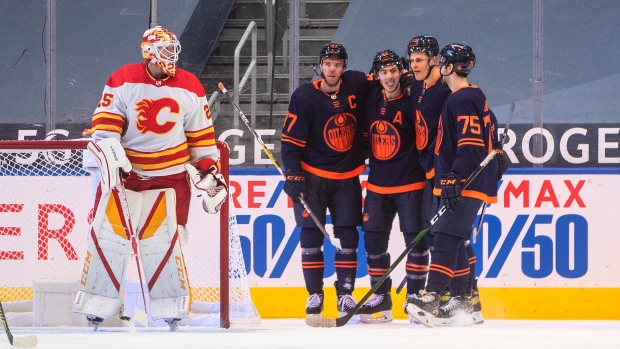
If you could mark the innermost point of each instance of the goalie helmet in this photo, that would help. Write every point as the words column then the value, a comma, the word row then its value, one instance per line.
column 386, row 58
column 425, row 43
column 160, row 46
column 334, row 51
column 461, row 56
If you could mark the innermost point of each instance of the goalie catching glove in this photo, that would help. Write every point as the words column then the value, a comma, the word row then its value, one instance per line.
column 210, row 182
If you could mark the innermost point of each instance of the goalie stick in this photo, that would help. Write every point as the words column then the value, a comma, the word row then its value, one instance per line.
column 333, row 240
column 316, row 321
column 504, row 136
column 477, row 228
column 139, row 316
column 17, row 342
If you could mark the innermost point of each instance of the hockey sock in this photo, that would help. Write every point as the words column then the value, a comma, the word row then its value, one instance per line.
column 377, row 266
column 460, row 281
column 377, row 257
column 313, row 265
column 443, row 261
column 312, row 261
column 346, row 258
column 471, row 255
column 417, row 265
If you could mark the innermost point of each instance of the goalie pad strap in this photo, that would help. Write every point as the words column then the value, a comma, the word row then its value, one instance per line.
column 104, row 261
column 147, row 223
column 162, row 264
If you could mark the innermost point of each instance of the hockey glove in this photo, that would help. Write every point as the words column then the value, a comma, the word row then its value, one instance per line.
column 451, row 190
column 502, row 164
column 210, row 182
column 295, row 184
column 405, row 81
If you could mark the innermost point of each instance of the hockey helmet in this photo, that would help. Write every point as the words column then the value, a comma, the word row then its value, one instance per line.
column 160, row 46
column 461, row 56
column 424, row 43
column 334, row 51
column 386, row 58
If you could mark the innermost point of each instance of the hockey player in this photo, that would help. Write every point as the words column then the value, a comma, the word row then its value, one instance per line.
column 323, row 154
column 466, row 134
column 428, row 94
column 152, row 123
column 395, row 185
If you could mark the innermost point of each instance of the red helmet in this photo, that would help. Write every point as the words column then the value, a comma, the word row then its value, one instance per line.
column 160, row 46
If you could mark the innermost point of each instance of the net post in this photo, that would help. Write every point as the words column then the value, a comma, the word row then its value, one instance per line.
column 224, row 240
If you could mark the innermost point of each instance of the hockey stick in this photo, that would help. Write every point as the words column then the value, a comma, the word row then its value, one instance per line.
column 17, row 342
column 333, row 240
column 316, row 321
column 138, row 314
column 484, row 206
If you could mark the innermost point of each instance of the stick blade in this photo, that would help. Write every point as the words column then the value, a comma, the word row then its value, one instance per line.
column 25, row 342
column 317, row 321
column 336, row 242
column 140, row 317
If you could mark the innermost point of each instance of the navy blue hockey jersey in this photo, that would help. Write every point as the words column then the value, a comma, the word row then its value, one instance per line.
column 390, row 133
column 322, row 132
column 428, row 102
column 465, row 136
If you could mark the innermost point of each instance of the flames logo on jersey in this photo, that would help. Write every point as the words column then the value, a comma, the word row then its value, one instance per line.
column 421, row 131
column 385, row 140
column 339, row 132
column 149, row 109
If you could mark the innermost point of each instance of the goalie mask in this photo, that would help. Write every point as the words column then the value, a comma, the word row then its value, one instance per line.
column 160, row 46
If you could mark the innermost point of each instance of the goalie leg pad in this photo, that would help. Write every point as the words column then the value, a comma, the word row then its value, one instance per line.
column 109, row 248
column 161, row 255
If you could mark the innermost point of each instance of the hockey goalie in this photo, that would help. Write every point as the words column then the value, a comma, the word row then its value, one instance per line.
column 153, row 138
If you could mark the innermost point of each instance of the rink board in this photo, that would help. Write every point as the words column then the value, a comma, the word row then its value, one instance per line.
column 550, row 240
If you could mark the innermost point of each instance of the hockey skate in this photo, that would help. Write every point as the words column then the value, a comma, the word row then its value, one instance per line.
column 95, row 321
column 314, row 306
column 407, row 301
column 346, row 302
column 377, row 310
column 173, row 323
column 424, row 307
column 456, row 312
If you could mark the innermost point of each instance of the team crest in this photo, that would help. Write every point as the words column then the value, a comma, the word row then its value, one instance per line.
column 149, row 109
column 421, row 131
column 385, row 140
column 339, row 132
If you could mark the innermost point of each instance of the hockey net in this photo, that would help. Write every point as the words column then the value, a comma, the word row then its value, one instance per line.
column 45, row 204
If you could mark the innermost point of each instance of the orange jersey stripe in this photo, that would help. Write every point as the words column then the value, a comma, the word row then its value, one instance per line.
column 395, row 190
column 293, row 141
column 333, row 175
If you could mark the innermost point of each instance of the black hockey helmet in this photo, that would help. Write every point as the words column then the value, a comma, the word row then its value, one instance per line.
column 386, row 58
column 423, row 43
column 462, row 56
column 334, row 51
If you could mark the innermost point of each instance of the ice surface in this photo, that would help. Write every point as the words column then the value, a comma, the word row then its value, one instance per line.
column 294, row 333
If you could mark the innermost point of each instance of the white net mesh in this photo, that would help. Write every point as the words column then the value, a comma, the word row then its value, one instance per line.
column 45, row 204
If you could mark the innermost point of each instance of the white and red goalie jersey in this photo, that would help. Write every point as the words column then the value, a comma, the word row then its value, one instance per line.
column 161, row 123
